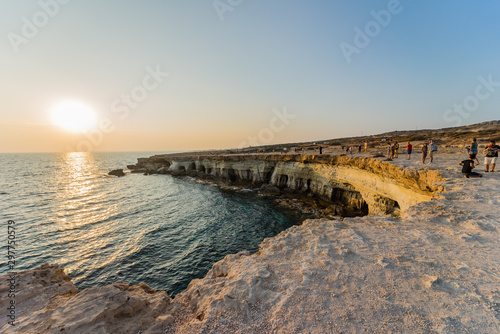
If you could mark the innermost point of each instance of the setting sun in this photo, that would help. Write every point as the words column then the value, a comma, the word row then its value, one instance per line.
column 73, row 116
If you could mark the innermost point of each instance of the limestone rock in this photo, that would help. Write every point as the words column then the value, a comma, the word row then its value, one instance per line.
column 139, row 170
column 269, row 190
column 162, row 170
column 117, row 172
column 35, row 287
column 48, row 302
column 364, row 185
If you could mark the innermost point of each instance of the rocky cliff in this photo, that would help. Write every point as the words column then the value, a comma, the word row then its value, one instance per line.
column 363, row 184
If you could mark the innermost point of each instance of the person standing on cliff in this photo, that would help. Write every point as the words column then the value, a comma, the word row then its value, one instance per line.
column 473, row 148
column 434, row 149
column 424, row 152
column 409, row 148
column 491, row 156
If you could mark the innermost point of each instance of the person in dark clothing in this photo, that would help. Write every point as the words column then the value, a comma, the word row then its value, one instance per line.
column 424, row 152
column 320, row 150
column 467, row 166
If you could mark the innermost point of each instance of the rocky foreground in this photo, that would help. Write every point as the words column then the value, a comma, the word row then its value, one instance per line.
column 435, row 269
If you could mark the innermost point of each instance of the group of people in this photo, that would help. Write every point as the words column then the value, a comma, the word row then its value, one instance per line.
column 430, row 149
column 489, row 160
column 392, row 150
column 427, row 149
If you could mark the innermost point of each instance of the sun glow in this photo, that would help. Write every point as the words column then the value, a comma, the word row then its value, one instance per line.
column 73, row 116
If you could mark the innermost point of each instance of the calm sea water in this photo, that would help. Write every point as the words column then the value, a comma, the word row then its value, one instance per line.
column 155, row 229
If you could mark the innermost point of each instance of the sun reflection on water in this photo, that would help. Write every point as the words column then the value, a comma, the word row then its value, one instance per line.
column 83, row 211
column 79, row 166
column 102, row 229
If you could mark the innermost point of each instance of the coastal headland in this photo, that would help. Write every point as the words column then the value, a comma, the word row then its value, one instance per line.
column 360, row 185
column 416, row 250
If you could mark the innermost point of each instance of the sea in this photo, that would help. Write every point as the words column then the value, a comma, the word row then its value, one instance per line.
column 157, row 229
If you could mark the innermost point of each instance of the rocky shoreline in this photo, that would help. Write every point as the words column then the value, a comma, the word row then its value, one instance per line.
column 433, row 268
column 350, row 185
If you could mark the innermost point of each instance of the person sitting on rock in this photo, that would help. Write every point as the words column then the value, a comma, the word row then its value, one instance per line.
column 467, row 166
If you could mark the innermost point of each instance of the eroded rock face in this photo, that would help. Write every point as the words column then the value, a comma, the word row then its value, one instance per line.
column 362, row 185
column 34, row 288
column 47, row 302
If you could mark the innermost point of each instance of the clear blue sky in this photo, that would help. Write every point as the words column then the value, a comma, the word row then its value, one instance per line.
column 227, row 76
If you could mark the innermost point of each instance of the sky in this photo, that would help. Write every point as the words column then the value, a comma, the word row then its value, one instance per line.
column 176, row 75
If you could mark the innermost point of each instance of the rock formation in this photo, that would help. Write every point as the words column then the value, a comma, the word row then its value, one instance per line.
column 364, row 185
column 47, row 302
column 117, row 172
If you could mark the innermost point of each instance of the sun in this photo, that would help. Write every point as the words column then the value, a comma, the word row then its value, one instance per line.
column 74, row 116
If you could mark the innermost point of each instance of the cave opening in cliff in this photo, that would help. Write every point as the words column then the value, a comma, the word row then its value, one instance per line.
column 202, row 169
column 191, row 167
column 182, row 169
column 394, row 208
column 268, row 175
column 248, row 175
column 351, row 201
column 209, row 171
column 283, row 181
column 231, row 173
column 397, row 208
column 165, row 163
